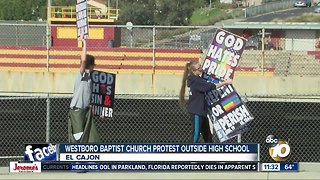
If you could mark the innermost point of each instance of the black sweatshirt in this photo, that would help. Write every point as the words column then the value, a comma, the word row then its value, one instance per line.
column 198, row 87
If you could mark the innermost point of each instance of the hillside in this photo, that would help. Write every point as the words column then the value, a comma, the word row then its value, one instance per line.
column 209, row 16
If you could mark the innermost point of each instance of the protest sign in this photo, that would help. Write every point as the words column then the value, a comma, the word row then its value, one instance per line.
column 82, row 18
column 227, row 112
column 223, row 55
column 103, row 90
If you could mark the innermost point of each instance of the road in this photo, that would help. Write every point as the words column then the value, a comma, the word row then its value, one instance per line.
column 283, row 14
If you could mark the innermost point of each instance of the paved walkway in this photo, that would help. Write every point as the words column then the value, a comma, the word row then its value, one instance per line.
column 307, row 171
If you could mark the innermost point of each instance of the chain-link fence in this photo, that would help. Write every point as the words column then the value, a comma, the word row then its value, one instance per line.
column 23, row 35
column 157, row 119
column 268, row 7
column 275, row 50
column 150, row 50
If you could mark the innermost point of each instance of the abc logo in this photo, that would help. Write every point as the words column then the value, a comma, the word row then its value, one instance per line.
column 279, row 149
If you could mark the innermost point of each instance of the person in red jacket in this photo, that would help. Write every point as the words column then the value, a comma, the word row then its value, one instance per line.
column 196, row 104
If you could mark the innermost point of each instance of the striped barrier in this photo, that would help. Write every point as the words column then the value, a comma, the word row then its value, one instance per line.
column 114, row 60
column 316, row 54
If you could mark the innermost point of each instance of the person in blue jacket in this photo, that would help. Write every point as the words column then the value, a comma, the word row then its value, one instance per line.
column 196, row 104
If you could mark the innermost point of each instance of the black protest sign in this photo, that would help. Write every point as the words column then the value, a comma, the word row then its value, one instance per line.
column 103, row 90
column 227, row 112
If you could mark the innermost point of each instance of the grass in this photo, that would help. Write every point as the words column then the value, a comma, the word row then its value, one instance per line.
column 169, row 33
column 204, row 15
column 209, row 16
column 201, row 17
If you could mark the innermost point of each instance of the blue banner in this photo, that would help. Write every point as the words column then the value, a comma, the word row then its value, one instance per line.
column 158, row 148
column 289, row 166
column 148, row 166
column 40, row 152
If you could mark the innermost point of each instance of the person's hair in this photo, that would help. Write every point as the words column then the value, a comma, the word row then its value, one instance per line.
column 187, row 72
column 89, row 61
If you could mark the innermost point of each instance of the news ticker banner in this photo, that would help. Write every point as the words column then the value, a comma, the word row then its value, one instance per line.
column 227, row 112
column 151, row 157
column 141, row 152
column 50, row 166
column 154, row 166
column 159, row 152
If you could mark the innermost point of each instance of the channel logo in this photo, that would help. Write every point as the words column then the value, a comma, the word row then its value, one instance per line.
column 279, row 149
column 40, row 152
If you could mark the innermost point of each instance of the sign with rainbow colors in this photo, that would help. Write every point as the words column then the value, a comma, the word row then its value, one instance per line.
column 230, row 102
column 227, row 112
column 223, row 55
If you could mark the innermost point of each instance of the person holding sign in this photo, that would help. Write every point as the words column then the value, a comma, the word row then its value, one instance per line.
column 196, row 105
column 81, row 127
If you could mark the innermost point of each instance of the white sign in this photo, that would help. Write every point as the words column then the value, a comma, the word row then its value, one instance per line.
column 25, row 167
column 82, row 18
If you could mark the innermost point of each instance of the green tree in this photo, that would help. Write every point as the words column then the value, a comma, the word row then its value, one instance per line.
column 200, row 3
column 173, row 12
column 137, row 11
column 28, row 9
column 157, row 12
column 140, row 12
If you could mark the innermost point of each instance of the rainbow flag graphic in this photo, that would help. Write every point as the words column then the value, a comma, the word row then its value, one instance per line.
column 230, row 102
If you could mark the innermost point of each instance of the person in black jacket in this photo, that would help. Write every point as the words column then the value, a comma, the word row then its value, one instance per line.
column 196, row 105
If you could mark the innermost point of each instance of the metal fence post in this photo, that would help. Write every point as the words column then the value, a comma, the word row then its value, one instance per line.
column 17, row 35
column 153, row 58
column 239, row 138
column 245, row 12
column 153, row 48
column 262, row 49
column 48, row 119
column 48, row 31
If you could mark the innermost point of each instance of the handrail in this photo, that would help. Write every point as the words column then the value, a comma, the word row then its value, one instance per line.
column 69, row 12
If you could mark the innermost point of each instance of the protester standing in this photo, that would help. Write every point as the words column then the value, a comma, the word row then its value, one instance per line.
column 81, row 127
column 196, row 104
